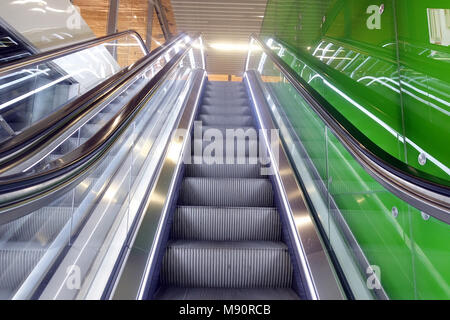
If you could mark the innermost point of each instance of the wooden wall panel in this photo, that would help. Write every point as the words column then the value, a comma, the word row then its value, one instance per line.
column 132, row 15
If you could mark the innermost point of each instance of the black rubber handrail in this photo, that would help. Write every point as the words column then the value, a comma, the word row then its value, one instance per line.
column 70, row 49
column 18, row 148
column 424, row 191
column 25, row 193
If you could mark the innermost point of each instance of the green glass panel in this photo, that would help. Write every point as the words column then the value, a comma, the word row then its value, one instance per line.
column 412, row 253
column 378, row 64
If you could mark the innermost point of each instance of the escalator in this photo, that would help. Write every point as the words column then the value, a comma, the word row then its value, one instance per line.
column 30, row 238
column 226, row 240
column 155, row 183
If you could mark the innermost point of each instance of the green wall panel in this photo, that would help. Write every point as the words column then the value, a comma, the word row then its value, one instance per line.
column 398, row 80
column 392, row 84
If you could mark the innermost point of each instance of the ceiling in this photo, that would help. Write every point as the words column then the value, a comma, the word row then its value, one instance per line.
column 226, row 21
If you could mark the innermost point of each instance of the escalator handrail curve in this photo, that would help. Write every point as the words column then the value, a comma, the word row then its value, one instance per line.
column 24, row 194
column 426, row 192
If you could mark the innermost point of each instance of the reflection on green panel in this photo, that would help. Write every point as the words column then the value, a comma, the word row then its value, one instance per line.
column 378, row 65
column 386, row 68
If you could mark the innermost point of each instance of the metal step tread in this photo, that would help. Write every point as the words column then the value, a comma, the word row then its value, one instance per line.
column 205, row 223
column 227, row 264
column 233, row 245
column 43, row 224
column 224, row 127
column 223, row 170
column 214, row 110
column 175, row 293
column 246, row 192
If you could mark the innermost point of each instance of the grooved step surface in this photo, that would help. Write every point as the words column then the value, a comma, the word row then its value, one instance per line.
column 236, row 94
column 226, row 233
column 235, row 129
column 226, row 224
column 24, row 241
column 17, row 259
column 240, row 264
column 223, row 147
column 174, row 293
column 239, row 192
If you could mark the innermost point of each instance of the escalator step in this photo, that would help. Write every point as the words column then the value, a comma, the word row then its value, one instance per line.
column 239, row 192
column 89, row 129
column 216, row 264
column 102, row 118
column 214, row 94
column 212, row 110
column 174, row 293
column 223, row 170
column 226, row 224
column 220, row 120
column 223, row 128
column 224, row 84
column 239, row 147
column 69, row 145
column 17, row 259
column 76, row 196
column 43, row 225
column 212, row 160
